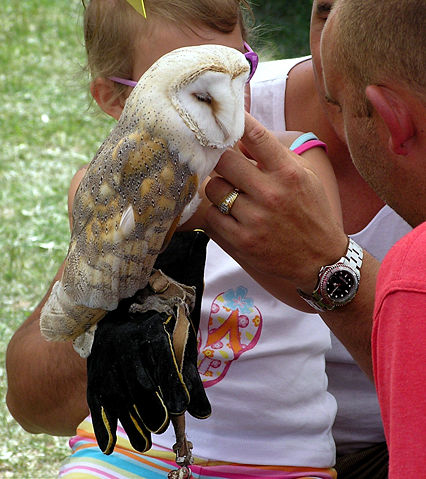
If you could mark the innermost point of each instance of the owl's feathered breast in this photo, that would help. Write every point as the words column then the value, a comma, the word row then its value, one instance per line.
column 128, row 199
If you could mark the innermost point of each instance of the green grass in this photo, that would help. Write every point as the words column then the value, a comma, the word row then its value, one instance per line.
column 46, row 134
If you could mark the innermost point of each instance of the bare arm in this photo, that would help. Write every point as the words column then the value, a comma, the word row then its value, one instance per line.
column 352, row 324
column 46, row 380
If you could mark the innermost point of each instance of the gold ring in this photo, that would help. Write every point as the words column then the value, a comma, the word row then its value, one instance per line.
column 227, row 202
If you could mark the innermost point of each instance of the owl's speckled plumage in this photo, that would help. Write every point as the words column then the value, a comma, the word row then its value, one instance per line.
column 183, row 113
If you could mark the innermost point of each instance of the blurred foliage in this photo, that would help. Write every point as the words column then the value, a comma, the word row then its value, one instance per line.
column 282, row 27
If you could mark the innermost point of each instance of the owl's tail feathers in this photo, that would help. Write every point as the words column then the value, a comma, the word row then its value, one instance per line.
column 61, row 319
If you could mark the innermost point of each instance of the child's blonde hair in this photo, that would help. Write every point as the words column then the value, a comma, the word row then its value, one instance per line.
column 111, row 27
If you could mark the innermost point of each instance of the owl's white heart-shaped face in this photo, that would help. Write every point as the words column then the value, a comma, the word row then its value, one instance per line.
column 213, row 107
column 204, row 84
column 194, row 97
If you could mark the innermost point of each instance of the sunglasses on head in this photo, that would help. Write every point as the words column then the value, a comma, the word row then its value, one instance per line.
column 250, row 55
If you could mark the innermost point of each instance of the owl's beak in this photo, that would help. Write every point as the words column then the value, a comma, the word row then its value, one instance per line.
column 223, row 128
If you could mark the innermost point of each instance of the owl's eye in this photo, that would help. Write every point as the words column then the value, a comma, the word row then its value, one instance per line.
column 204, row 97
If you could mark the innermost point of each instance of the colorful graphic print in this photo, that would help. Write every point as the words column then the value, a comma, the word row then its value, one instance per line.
column 234, row 327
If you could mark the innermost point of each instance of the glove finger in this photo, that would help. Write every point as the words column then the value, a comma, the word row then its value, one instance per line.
column 199, row 405
column 173, row 389
column 160, row 359
column 153, row 413
column 104, row 425
column 138, row 434
column 148, row 402
column 148, row 372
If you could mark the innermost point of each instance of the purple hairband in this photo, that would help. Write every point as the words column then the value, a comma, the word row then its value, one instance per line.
column 250, row 55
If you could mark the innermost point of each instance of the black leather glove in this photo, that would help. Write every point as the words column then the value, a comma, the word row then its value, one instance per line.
column 134, row 372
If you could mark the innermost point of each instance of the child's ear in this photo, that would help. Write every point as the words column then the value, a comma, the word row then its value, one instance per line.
column 396, row 114
column 103, row 92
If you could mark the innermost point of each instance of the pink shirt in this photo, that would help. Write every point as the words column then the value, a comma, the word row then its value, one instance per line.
column 399, row 353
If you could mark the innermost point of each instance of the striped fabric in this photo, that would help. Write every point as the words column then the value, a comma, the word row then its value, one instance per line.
column 88, row 462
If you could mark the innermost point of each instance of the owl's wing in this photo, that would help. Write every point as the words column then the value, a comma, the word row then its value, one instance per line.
column 129, row 199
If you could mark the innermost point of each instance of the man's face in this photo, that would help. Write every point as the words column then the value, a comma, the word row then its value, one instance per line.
column 320, row 12
column 365, row 134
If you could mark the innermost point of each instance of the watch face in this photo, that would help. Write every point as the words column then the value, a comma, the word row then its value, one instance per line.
column 341, row 286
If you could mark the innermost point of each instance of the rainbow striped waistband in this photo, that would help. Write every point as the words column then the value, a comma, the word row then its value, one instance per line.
column 88, row 462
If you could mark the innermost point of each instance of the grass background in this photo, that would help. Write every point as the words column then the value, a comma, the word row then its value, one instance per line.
column 47, row 131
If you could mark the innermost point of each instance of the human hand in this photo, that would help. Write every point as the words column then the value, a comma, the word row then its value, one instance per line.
column 143, row 365
column 281, row 223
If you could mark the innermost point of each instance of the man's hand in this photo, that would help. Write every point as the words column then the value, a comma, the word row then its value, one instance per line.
column 281, row 223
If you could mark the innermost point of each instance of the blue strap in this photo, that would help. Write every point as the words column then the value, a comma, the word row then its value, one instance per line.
column 302, row 139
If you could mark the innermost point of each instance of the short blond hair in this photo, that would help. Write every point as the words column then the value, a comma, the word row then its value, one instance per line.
column 379, row 41
column 111, row 27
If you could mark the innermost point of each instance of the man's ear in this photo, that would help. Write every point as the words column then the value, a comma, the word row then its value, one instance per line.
column 103, row 92
column 396, row 115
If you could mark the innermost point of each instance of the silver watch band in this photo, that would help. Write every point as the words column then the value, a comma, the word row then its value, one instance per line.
column 354, row 255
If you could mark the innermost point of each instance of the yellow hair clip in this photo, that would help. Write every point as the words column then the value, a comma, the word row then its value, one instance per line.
column 138, row 6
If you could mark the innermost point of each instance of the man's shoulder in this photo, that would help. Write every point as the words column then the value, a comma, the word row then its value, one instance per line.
column 406, row 260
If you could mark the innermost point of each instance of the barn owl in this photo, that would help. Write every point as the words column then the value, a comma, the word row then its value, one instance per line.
column 181, row 116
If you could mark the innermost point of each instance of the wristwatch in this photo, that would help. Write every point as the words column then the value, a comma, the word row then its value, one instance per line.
column 338, row 282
